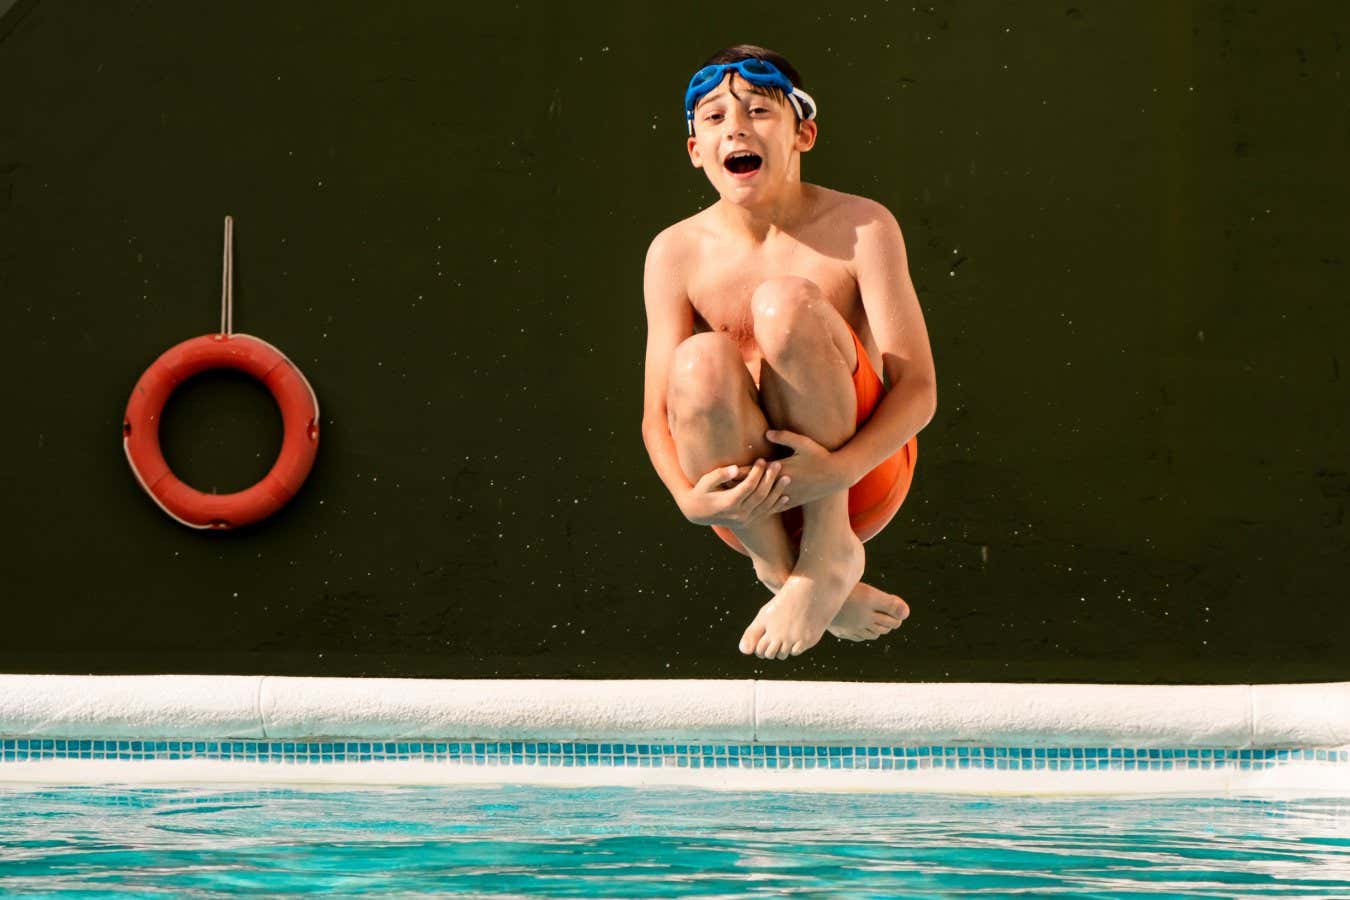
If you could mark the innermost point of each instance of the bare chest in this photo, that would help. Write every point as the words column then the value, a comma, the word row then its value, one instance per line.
column 721, row 291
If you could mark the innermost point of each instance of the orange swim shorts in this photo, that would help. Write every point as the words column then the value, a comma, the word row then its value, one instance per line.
column 876, row 498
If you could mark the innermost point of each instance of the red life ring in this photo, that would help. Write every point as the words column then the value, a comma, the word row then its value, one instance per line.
column 300, row 424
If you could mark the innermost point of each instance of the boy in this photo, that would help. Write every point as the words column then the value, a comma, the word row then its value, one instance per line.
column 767, row 313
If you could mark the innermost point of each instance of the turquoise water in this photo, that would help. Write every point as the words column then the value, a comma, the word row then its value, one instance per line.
column 624, row 842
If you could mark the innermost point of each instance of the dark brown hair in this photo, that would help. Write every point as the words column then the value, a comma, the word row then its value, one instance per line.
column 738, row 52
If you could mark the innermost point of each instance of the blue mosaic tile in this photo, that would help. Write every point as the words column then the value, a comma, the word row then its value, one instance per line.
column 570, row 754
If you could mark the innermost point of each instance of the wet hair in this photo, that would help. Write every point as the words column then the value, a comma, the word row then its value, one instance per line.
column 738, row 52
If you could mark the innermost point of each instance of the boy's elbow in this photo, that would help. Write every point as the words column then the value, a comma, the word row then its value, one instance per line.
column 925, row 396
column 655, row 419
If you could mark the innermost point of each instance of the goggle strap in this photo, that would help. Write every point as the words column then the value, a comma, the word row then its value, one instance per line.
column 796, row 97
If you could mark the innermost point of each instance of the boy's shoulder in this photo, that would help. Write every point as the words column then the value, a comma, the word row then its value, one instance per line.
column 840, row 207
column 675, row 247
column 685, row 229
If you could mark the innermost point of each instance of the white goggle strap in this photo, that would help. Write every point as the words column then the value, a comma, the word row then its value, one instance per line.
column 797, row 96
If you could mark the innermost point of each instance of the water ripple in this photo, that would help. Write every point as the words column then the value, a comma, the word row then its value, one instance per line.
column 603, row 842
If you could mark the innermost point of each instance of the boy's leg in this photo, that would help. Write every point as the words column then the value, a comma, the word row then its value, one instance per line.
column 716, row 420
column 806, row 386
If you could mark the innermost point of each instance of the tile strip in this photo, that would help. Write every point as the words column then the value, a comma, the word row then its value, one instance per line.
column 676, row 754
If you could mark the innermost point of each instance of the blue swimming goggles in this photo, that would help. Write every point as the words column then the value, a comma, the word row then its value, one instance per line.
column 756, row 71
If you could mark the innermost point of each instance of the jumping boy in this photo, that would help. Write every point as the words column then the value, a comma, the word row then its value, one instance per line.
column 767, row 315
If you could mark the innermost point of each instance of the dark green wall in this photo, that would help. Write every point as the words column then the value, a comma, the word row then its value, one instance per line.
column 1126, row 222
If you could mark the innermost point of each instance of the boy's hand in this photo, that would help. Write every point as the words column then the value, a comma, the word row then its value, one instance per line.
column 815, row 471
column 754, row 493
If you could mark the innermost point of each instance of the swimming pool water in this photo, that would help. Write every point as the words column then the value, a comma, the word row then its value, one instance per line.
column 626, row 842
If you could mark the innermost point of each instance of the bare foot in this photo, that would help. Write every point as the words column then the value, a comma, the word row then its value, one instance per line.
column 867, row 614
column 795, row 619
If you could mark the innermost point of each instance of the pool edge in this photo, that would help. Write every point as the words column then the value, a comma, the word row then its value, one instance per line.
column 279, row 707
column 970, row 737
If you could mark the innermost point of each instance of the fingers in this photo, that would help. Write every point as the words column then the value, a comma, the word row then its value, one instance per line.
column 791, row 439
column 766, row 487
column 777, row 501
column 748, row 484
column 757, row 491
column 762, row 491
column 712, row 479
column 758, row 482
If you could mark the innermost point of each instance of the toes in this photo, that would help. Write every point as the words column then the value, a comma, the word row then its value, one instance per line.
column 900, row 609
column 751, row 638
column 799, row 648
column 784, row 650
column 885, row 623
column 762, row 648
column 774, row 648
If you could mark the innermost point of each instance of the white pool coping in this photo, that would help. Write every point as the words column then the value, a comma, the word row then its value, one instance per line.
column 741, row 711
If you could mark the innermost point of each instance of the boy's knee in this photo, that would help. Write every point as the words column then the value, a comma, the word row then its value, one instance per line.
column 706, row 351
column 781, row 297
column 703, row 371
column 783, row 309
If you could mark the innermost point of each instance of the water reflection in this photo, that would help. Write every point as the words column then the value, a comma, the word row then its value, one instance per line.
column 667, row 842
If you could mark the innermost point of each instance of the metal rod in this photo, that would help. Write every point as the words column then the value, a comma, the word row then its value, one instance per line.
column 227, row 281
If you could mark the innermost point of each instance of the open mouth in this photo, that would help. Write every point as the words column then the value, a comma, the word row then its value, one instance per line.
column 743, row 162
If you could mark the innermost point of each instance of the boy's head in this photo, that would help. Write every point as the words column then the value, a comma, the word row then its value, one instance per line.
column 748, row 119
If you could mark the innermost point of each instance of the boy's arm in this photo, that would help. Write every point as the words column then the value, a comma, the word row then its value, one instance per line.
column 897, row 324
column 670, row 319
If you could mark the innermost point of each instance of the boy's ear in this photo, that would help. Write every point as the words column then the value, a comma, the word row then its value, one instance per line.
column 806, row 135
column 695, row 155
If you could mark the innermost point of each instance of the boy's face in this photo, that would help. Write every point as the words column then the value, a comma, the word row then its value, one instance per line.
column 744, row 139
